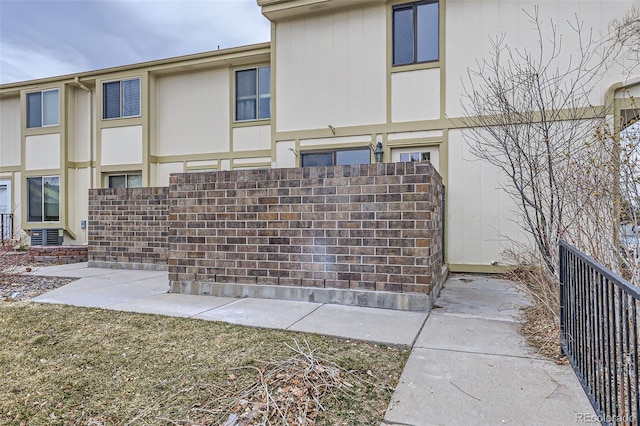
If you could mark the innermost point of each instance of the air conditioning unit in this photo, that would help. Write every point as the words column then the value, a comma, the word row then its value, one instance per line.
column 46, row 237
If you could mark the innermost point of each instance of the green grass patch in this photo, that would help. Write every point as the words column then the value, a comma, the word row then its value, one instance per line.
column 67, row 365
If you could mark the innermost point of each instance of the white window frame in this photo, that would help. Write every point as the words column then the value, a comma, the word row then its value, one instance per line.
column 121, row 115
column 257, row 96
column 42, row 92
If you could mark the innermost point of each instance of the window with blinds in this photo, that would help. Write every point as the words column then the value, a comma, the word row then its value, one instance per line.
column 121, row 99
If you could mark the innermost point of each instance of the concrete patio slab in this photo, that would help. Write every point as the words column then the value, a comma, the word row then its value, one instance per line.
column 171, row 304
column 98, row 294
column 474, row 335
column 370, row 324
column 471, row 366
column 501, row 305
column 74, row 270
column 267, row 313
column 81, row 270
column 457, row 388
column 481, row 282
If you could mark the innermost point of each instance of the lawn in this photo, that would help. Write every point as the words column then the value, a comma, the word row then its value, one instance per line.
column 70, row 366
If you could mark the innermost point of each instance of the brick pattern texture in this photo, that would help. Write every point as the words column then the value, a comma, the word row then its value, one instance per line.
column 129, row 225
column 368, row 227
column 62, row 254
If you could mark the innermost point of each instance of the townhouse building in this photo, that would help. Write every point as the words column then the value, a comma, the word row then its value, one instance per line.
column 339, row 80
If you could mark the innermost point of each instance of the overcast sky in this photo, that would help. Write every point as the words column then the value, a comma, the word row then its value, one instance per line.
column 45, row 38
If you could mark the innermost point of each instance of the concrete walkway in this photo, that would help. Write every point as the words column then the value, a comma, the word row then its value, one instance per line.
column 469, row 365
column 146, row 292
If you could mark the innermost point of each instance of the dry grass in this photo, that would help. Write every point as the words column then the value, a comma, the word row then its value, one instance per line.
column 70, row 366
column 541, row 319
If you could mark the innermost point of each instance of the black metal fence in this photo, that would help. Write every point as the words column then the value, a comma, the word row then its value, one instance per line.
column 443, row 213
column 599, row 332
column 6, row 227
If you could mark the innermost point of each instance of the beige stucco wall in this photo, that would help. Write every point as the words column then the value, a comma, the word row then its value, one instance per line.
column 42, row 152
column 210, row 165
column 192, row 113
column 420, row 134
column 331, row 69
column 481, row 217
column 488, row 19
column 163, row 171
column 121, row 145
column 77, row 200
column 252, row 163
column 80, row 118
column 359, row 139
column 415, row 95
column 10, row 131
column 285, row 154
column 633, row 91
column 251, row 138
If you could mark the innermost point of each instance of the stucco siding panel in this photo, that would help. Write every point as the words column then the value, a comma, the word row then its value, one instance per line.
column 414, row 135
column 122, row 145
column 364, row 139
column 10, row 131
column 482, row 220
column 42, row 152
column 415, row 95
column 285, row 154
column 164, row 170
column 489, row 20
column 192, row 113
column 80, row 139
column 330, row 69
column 251, row 138
column 77, row 200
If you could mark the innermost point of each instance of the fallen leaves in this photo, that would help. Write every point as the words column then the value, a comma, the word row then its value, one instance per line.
column 287, row 392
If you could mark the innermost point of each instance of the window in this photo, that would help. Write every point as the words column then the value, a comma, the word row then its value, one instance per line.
column 125, row 181
column 406, row 157
column 121, row 99
column 43, row 108
column 415, row 33
column 337, row 158
column 253, row 94
column 43, row 199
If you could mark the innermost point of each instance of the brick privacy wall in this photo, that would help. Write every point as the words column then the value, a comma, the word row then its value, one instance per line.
column 366, row 227
column 61, row 254
column 128, row 225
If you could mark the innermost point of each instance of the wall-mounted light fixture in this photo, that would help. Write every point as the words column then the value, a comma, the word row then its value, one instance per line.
column 378, row 153
column 294, row 151
column 333, row 129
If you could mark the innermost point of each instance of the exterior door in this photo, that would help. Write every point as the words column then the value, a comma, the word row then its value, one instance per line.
column 5, row 209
